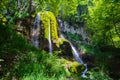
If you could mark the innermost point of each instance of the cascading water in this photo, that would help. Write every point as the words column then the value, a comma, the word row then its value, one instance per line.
column 36, row 31
column 77, row 57
column 75, row 52
column 49, row 39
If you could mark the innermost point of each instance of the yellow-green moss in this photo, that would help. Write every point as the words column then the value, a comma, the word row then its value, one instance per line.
column 45, row 20
column 73, row 67
column 54, row 26
column 48, row 19
column 60, row 41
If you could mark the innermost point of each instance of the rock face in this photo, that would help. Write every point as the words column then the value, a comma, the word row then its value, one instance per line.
column 76, row 25
column 46, row 34
column 79, row 30
column 23, row 27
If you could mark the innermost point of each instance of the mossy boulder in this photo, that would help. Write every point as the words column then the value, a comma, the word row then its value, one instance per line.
column 73, row 67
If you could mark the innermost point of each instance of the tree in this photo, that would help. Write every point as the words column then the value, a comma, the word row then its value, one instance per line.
column 103, row 21
column 58, row 7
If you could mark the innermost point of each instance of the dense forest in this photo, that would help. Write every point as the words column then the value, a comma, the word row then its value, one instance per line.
column 59, row 39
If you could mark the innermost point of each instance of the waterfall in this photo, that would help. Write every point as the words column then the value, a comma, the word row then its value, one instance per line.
column 60, row 24
column 35, row 40
column 49, row 38
column 79, row 59
column 75, row 52
column 36, row 31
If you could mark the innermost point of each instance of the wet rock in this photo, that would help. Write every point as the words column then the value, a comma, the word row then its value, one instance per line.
column 66, row 49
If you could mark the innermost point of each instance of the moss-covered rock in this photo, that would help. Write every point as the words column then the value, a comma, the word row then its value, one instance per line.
column 73, row 67
column 60, row 41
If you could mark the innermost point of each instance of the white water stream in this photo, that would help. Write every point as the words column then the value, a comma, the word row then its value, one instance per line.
column 49, row 39
column 36, row 31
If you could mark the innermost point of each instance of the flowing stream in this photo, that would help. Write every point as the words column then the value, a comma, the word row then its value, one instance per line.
column 36, row 31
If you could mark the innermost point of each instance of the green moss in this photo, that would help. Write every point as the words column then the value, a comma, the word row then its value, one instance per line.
column 60, row 41
column 72, row 67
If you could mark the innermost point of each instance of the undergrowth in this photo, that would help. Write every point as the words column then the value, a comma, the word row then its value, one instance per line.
column 101, row 59
column 25, row 62
column 21, row 61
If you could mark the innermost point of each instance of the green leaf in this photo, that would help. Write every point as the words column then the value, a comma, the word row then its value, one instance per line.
column 1, row 60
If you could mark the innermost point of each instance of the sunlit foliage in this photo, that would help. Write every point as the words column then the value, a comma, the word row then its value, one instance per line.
column 103, row 21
